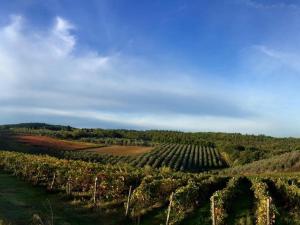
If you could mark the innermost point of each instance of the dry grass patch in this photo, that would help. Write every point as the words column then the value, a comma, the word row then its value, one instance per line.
column 121, row 150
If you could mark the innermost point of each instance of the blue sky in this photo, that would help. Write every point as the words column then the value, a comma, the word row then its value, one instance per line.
column 209, row 65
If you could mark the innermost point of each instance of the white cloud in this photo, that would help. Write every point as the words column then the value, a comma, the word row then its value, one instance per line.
column 63, row 41
column 13, row 29
column 43, row 72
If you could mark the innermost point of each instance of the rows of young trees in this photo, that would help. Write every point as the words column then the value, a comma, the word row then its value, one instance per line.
column 140, row 191
column 181, row 157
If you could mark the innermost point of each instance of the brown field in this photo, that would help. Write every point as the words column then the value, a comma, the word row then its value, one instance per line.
column 58, row 144
column 53, row 143
column 121, row 150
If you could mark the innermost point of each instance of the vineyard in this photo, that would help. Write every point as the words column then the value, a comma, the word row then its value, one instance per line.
column 179, row 157
column 143, row 196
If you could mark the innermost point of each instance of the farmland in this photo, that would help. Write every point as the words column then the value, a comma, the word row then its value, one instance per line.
column 42, row 144
column 53, row 143
column 130, row 182
column 238, row 149
column 176, row 156
column 88, row 184
column 181, row 157
column 120, row 150
column 66, row 145
column 164, row 112
column 26, row 141
column 19, row 201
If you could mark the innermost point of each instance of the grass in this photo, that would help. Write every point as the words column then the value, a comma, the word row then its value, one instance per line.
column 242, row 212
column 121, row 150
column 20, row 201
column 201, row 216
column 157, row 216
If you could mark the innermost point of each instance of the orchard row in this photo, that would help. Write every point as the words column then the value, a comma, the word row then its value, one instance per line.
column 140, row 191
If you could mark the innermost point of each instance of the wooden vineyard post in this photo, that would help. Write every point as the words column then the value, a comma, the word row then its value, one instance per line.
column 269, row 211
column 95, row 190
column 68, row 188
column 25, row 171
column 53, row 180
column 213, row 216
column 139, row 220
column 128, row 201
column 169, row 209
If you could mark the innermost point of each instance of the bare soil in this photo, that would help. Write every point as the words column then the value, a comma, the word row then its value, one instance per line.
column 53, row 143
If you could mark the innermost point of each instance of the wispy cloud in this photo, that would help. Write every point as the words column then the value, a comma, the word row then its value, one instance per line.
column 273, row 5
column 64, row 42
column 289, row 60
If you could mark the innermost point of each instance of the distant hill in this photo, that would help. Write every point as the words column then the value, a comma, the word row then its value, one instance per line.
column 237, row 149
column 36, row 126
column 287, row 162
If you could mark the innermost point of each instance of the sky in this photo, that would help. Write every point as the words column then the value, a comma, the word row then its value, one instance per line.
column 209, row 65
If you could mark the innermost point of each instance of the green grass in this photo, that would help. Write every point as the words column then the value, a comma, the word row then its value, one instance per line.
column 242, row 211
column 157, row 216
column 19, row 201
column 201, row 216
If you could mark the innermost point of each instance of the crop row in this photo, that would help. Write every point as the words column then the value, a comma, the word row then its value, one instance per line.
column 96, row 184
column 290, row 192
column 181, row 157
column 265, row 208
